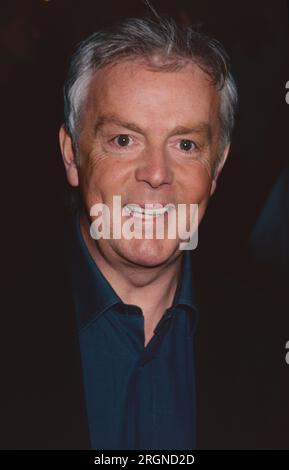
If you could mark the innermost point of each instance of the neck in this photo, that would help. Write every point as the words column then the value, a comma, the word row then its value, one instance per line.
column 152, row 289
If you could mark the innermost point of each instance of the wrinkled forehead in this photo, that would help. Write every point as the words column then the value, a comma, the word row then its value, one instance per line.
column 154, row 98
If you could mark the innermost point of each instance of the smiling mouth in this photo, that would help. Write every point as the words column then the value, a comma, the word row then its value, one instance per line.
column 144, row 212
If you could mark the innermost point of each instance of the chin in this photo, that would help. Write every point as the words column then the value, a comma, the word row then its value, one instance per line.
column 149, row 253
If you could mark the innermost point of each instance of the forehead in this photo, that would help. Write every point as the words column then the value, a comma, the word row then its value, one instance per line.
column 153, row 98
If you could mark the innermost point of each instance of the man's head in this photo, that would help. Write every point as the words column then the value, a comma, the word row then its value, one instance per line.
column 149, row 111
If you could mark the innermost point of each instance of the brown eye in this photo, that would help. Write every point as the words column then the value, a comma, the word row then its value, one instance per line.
column 122, row 140
column 186, row 145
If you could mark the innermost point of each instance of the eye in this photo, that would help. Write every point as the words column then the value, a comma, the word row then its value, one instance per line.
column 187, row 145
column 122, row 140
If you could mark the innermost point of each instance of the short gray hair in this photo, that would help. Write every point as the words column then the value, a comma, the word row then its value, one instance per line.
column 174, row 45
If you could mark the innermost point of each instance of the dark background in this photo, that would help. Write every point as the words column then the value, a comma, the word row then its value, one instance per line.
column 36, row 40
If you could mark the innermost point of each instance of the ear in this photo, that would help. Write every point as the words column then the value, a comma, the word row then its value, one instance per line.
column 219, row 168
column 68, row 157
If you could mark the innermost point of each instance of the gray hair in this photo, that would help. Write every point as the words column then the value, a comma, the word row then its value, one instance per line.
column 171, row 44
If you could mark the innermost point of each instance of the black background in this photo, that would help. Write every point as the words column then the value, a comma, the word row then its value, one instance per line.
column 37, row 38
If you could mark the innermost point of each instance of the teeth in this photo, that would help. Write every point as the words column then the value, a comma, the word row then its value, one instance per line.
column 138, row 211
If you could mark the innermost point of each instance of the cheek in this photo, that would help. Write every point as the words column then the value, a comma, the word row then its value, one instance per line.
column 101, row 178
column 94, row 165
column 197, row 186
column 197, row 189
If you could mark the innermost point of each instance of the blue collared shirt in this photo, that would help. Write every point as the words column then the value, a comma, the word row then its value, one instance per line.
column 136, row 397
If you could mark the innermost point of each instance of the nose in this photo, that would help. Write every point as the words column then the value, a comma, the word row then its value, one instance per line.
column 154, row 168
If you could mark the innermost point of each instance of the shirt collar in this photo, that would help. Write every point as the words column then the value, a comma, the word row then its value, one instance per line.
column 92, row 293
column 185, row 293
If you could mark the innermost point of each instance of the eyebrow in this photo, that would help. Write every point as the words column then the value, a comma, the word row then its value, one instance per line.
column 102, row 120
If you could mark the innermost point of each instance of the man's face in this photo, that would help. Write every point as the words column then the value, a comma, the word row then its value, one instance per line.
column 150, row 137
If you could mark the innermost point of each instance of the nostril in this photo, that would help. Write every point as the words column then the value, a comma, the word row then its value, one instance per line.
column 155, row 174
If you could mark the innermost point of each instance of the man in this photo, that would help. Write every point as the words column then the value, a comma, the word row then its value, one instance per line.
column 146, row 121
column 165, row 353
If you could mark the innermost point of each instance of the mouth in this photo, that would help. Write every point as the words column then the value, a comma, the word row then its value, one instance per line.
column 148, row 211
